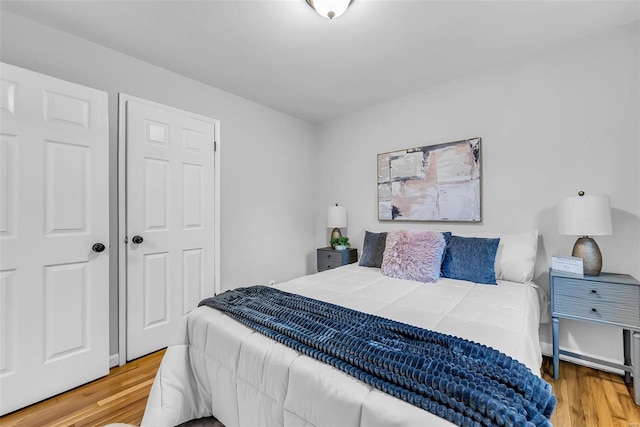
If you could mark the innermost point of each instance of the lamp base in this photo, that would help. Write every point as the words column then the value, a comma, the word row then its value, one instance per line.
column 335, row 233
column 587, row 249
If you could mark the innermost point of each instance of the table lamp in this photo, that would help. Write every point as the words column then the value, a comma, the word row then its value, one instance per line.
column 586, row 216
column 336, row 218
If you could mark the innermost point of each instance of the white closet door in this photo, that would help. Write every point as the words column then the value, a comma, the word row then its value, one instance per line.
column 53, row 209
column 170, row 206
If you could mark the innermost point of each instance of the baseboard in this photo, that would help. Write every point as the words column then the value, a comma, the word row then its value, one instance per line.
column 114, row 360
column 547, row 350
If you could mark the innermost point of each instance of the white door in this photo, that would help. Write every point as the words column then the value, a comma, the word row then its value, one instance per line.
column 54, row 289
column 169, row 220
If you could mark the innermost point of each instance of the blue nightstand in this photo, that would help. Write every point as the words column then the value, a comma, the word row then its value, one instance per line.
column 608, row 299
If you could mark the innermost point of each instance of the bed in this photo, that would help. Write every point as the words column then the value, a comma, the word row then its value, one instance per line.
column 216, row 366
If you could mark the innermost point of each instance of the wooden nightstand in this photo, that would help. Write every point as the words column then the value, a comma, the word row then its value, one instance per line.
column 331, row 258
column 609, row 299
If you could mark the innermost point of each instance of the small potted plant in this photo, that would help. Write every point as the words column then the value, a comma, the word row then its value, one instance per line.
column 340, row 243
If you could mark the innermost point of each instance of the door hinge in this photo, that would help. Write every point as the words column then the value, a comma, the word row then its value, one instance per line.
column 215, row 145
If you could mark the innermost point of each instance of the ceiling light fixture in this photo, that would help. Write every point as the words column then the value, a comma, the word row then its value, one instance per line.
column 330, row 8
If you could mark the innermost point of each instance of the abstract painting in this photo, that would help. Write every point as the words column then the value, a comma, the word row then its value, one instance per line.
column 431, row 183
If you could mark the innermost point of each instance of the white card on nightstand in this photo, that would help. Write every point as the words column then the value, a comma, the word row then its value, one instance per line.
column 570, row 265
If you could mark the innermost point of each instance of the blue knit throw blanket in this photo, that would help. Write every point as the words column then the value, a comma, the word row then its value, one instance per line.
column 462, row 381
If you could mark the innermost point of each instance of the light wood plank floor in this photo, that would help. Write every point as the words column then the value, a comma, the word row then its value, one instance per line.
column 119, row 397
column 591, row 398
column 586, row 397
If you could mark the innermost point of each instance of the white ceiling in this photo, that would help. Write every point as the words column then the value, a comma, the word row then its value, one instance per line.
column 281, row 54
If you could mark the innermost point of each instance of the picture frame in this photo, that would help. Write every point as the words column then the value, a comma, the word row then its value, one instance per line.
column 441, row 182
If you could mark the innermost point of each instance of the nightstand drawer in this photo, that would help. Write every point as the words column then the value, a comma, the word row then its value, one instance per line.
column 616, row 303
column 326, row 265
column 622, row 313
column 328, row 258
column 596, row 290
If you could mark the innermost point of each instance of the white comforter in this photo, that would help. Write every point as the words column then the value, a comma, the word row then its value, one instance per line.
column 216, row 366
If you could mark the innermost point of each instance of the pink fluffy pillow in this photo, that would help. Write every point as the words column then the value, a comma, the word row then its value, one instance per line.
column 413, row 255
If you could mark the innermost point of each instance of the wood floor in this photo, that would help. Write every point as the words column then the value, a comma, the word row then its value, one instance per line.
column 586, row 398
column 120, row 397
column 591, row 398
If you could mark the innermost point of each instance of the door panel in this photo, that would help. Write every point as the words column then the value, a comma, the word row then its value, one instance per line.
column 66, row 110
column 66, row 167
column 156, row 181
column 65, row 302
column 54, row 207
column 170, row 166
column 8, row 317
column 192, row 283
column 8, row 185
column 155, row 289
column 192, row 196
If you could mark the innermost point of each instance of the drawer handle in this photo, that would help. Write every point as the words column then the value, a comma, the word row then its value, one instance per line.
column 593, row 291
column 329, row 256
column 594, row 310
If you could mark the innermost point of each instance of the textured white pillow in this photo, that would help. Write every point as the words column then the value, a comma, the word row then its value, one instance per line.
column 516, row 256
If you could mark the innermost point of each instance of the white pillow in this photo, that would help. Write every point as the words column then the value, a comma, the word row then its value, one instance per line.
column 516, row 256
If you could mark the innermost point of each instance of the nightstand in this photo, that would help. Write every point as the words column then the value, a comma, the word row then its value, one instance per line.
column 331, row 258
column 608, row 299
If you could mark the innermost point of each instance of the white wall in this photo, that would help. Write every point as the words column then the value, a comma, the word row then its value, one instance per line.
column 560, row 121
column 266, row 155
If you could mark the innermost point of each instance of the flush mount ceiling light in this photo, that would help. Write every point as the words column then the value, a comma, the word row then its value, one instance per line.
column 330, row 8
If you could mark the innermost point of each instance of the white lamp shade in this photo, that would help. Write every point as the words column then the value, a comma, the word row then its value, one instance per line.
column 585, row 216
column 330, row 8
column 336, row 217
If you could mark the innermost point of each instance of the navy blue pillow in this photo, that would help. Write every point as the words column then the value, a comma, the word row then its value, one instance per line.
column 447, row 237
column 373, row 249
column 470, row 258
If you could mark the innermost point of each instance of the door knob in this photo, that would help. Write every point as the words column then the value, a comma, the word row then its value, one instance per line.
column 137, row 240
column 98, row 247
